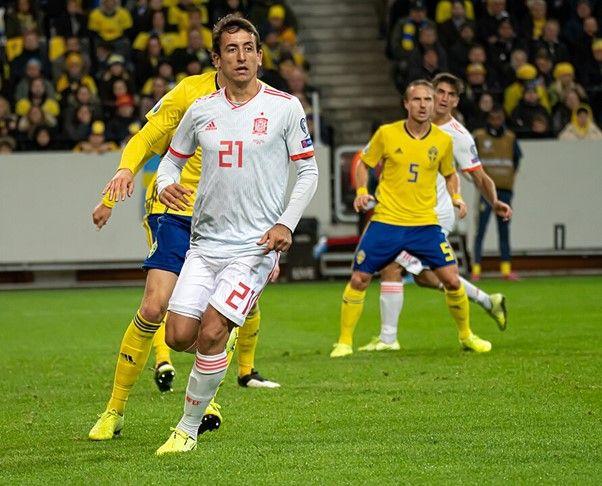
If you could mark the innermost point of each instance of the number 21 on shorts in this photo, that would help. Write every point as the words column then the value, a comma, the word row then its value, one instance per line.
column 238, row 296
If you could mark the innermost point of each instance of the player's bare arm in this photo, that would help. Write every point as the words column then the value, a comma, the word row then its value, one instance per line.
column 452, row 183
column 362, row 198
column 486, row 187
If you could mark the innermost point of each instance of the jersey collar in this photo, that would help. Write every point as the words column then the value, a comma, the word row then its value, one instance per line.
column 412, row 136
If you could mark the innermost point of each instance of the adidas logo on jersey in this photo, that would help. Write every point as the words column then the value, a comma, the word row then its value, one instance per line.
column 210, row 126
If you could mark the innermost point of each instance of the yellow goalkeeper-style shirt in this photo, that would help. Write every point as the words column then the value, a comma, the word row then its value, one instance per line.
column 165, row 116
column 407, row 190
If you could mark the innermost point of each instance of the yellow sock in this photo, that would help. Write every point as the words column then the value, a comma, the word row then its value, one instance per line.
column 457, row 303
column 476, row 269
column 247, row 341
column 133, row 353
column 505, row 268
column 351, row 310
column 162, row 351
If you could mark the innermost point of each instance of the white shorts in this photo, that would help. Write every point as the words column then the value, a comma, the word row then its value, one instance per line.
column 412, row 264
column 231, row 286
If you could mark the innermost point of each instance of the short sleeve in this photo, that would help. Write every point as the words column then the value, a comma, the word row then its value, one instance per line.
column 184, row 143
column 298, row 139
column 465, row 153
column 374, row 152
column 446, row 164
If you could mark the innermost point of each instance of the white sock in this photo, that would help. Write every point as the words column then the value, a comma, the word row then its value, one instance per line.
column 391, row 303
column 476, row 294
column 206, row 375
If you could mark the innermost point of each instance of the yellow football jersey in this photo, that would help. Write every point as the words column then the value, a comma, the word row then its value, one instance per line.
column 407, row 190
column 166, row 116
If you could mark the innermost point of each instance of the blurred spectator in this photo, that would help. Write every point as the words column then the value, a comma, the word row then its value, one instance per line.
column 286, row 34
column 169, row 40
column 109, row 22
column 477, row 85
column 564, row 80
column 22, row 17
column 478, row 117
column 147, row 61
column 72, row 22
column 74, row 77
column 195, row 49
column 8, row 120
column 573, row 29
column 544, row 66
column 124, row 116
column 227, row 7
column 528, row 108
column 532, row 25
column 31, row 49
column 404, row 34
column 7, row 145
column 592, row 78
column 195, row 23
column 42, row 139
column 96, row 143
column 297, row 86
column 78, row 123
column 39, row 96
column 487, row 25
column 458, row 53
column 73, row 45
column 428, row 68
column 550, row 42
column 450, row 10
column 581, row 126
column 427, row 41
column 179, row 14
column 563, row 111
column 540, row 126
column 158, row 90
column 33, row 70
column 586, row 41
column 141, row 16
column 525, row 74
column 500, row 52
column 115, row 72
column 27, row 124
column 449, row 29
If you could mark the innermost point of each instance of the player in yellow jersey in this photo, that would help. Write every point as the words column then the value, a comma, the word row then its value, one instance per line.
column 169, row 234
column 413, row 152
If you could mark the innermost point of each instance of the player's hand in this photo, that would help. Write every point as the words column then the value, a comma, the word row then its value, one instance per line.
column 503, row 210
column 174, row 197
column 277, row 238
column 361, row 203
column 275, row 273
column 120, row 186
column 101, row 215
column 461, row 206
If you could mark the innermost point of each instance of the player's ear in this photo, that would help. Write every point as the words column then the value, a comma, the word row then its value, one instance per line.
column 260, row 56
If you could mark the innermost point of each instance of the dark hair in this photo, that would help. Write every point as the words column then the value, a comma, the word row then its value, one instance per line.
column 450, row 79
column 417, row 82
column 232, row 23
column 496, row 108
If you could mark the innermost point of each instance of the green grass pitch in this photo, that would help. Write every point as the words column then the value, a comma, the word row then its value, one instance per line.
column 528, row 412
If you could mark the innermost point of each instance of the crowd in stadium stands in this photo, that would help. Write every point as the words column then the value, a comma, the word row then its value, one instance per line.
column 81, row 74
column 541, row 60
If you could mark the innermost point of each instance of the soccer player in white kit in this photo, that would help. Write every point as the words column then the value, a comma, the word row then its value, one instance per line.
column 248, row 133
column 447, row 92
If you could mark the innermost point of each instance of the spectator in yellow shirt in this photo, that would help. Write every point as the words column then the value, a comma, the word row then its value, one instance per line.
column 110, row 22
column 96, row 143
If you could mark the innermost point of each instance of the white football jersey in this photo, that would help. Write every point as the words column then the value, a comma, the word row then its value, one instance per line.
column 466, row 159
column 245, row 167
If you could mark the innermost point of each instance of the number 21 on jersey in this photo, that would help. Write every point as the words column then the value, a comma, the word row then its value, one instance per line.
column 230, row 153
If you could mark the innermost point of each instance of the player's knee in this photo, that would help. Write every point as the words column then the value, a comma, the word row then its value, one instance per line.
column 451, row 282
column 391, row 273
column 360, row 281
column 212, row 336
column 153, row 311
column 176, row 340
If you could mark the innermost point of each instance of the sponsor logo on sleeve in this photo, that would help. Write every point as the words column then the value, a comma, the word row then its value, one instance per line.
column 156, row 107
column 306, row 143
column 475, row 154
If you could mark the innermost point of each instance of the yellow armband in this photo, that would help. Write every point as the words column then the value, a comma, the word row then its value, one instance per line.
column 361, row 191
column 457, row 197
